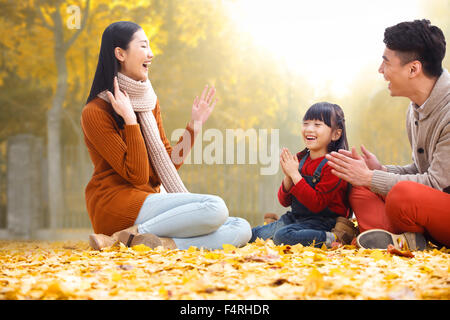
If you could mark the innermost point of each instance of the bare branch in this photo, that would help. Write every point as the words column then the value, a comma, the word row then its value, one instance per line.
column 45, row 24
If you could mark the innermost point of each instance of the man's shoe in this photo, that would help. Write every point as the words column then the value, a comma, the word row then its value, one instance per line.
column 380, row 239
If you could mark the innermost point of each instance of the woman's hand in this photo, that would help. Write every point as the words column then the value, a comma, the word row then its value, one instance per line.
column 203, row 106
column 122, row 104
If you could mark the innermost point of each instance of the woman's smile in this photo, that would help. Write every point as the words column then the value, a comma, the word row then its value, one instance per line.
column 147, row 64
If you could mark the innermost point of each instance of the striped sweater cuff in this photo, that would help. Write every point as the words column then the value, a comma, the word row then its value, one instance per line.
column 381, row 182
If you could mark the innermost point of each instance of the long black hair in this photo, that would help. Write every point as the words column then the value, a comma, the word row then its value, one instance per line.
column 333, row 116
column 117, row 34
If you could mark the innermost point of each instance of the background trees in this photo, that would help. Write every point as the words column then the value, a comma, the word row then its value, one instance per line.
column 46, row 69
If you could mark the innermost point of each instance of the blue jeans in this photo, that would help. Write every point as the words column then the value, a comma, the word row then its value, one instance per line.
column 191, row 219
column 292, row 229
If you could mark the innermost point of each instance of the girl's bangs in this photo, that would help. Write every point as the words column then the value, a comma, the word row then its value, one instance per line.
column 319, row 111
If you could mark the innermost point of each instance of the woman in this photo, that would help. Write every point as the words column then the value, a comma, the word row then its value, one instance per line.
column 132, row 156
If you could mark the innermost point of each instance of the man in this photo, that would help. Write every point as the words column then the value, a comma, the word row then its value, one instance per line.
column 411, row 199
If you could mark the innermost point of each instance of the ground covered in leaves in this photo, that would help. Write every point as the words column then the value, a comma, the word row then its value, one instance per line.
column 261, row 270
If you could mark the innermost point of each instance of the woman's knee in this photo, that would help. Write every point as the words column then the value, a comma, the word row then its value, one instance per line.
column 217, row 211
column 243, row 232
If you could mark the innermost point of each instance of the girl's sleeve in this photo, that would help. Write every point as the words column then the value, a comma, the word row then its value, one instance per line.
column 284, row 197
column 127, row 157
column 318, row 199
column 184, row 149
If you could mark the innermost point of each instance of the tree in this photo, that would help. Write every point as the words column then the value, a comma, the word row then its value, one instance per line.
column 39, row 35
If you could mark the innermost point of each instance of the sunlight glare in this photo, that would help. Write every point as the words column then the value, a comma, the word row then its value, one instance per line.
column 328, row 42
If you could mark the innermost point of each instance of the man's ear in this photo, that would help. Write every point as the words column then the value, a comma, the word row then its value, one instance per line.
column 119, row 53
column 336, row 134
column 415, row 68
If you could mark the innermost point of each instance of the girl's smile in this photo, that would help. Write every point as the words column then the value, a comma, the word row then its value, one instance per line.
column 317, row 136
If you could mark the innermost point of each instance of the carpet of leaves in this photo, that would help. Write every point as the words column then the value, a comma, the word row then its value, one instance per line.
column 260, row 270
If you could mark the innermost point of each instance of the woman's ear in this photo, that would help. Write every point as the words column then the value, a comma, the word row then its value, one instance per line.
column 336, row 134
column 120, row 54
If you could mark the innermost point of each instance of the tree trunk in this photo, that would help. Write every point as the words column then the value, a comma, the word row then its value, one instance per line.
column 55, row 180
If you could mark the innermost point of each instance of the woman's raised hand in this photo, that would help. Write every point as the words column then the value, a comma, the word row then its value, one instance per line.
column 203, row 106
column 122, row 104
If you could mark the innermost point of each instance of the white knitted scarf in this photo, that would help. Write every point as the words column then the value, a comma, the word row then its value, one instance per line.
column 143, row 100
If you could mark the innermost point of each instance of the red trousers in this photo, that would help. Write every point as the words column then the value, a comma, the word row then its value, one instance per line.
column 408, row 207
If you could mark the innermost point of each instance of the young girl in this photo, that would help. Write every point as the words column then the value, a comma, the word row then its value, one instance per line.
column 316, row 196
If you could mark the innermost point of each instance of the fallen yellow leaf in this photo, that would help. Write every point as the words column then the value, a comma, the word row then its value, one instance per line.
column 228, row 248
column 140, row 248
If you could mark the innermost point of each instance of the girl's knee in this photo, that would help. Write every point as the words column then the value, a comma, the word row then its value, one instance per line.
column 281, row 236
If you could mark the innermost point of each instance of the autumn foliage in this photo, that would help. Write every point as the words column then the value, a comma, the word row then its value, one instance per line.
column 261, row 270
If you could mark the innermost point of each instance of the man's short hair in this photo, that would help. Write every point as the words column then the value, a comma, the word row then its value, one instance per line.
column 418, row 40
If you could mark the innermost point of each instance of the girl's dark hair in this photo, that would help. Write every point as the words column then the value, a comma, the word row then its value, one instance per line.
column 117, row 34
column 418, row 40
column 333, row 116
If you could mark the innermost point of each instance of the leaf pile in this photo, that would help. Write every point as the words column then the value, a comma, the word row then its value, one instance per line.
column 260, row 270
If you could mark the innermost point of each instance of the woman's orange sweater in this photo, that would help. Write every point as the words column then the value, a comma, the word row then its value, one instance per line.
column 123, row 175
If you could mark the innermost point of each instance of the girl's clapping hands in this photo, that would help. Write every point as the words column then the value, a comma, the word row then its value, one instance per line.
column 289, row 163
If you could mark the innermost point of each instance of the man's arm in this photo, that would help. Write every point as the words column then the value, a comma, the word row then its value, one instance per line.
column 355, row 171
column 408, row 169
column 437, row 175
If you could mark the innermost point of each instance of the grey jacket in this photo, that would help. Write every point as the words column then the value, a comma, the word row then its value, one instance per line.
column 428, row 131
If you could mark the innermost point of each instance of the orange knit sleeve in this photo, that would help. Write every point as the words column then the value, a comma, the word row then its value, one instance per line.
column 166, row 142
column 127, row 157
